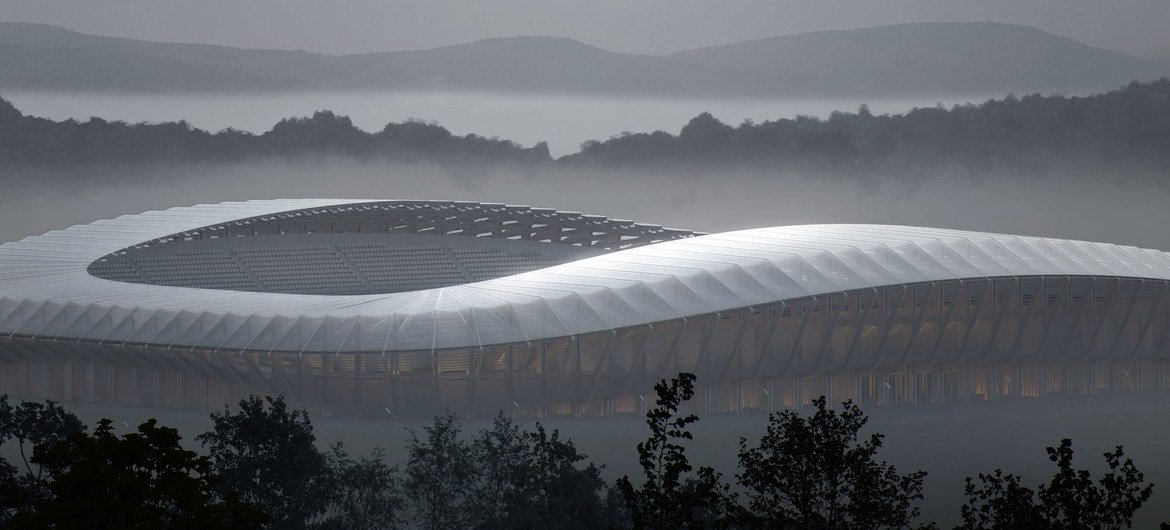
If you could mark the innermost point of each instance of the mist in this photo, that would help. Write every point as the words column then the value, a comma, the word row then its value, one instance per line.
column 1093, row 207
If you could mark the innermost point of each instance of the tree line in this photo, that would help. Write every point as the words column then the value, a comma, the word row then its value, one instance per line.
column 33, row 141
column 1128, row 127
column 261, row 467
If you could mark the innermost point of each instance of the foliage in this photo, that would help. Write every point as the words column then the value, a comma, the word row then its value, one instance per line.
column 665, row 499
column 366, row 492
column 30, row 141
column 497, row 494
column 1000, row 501
column 30, row 424
column 267, row 453
column 808, row 471
column 812, row 472
column 1070, row 500
column 439, row 474
column 1129, row 126
column 141, row 480
column 506, row 477
column 563, row 494
column 530, row 479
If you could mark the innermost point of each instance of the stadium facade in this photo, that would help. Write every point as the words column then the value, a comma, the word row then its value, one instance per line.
column 369, row 308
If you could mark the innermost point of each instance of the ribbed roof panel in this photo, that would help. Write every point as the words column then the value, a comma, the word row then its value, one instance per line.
column 46, row 292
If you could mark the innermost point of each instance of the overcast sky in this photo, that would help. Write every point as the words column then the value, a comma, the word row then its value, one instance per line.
column 640, row 26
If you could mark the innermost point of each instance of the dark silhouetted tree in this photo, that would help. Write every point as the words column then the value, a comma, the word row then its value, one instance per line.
column 498, row 494
column 1000, row 501
column 267, row 453
column 704, row 136
column 141, row 480
column 27, row 141
column 1070, row 500
column 531, row 479
column 814, row 472
column 1129, row 126
column 29, row 424
column 669, row 498
column 439, row 474
column 366, row 492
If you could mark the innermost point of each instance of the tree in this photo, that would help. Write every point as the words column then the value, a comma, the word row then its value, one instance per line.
column 30, row 424
column 704, row 136
column 564, row 495
column 1070, row 500
column 665, row 499
column 1000, row 501
column 366, row 492
column 503, row 479
column 14, row 496
column 267, row 453
column 439, row 474
column 812, row 472
column 140, row 480
column 530, row 479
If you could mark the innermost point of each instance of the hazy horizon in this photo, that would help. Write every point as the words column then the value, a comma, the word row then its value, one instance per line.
column 1135, row 27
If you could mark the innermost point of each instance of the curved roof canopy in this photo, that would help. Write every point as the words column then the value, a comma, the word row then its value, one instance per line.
column 651, row 274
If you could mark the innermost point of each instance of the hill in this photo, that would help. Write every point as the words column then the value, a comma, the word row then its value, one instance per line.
column 935, row 58
column 40, row 56
column 521, row 64
column 43, row 57
column 907, row 59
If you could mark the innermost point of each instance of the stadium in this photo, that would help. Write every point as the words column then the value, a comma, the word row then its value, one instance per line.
column 403, row 307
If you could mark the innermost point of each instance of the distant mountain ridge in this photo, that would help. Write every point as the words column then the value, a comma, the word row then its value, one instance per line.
column 977, row 56
column 921, row 58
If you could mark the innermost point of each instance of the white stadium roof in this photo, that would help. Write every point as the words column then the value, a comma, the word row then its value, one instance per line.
column 47, row 293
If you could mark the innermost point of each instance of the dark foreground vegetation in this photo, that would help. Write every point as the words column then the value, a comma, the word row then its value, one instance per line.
column 260, row 467
column 1128, row 128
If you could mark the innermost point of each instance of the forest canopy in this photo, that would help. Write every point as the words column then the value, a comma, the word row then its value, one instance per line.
column 1128, row 127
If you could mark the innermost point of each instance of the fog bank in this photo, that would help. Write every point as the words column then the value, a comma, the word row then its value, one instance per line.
column 1089, row 207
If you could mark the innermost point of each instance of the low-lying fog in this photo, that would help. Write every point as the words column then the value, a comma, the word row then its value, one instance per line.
column 1088, row 207
column 564, row 121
